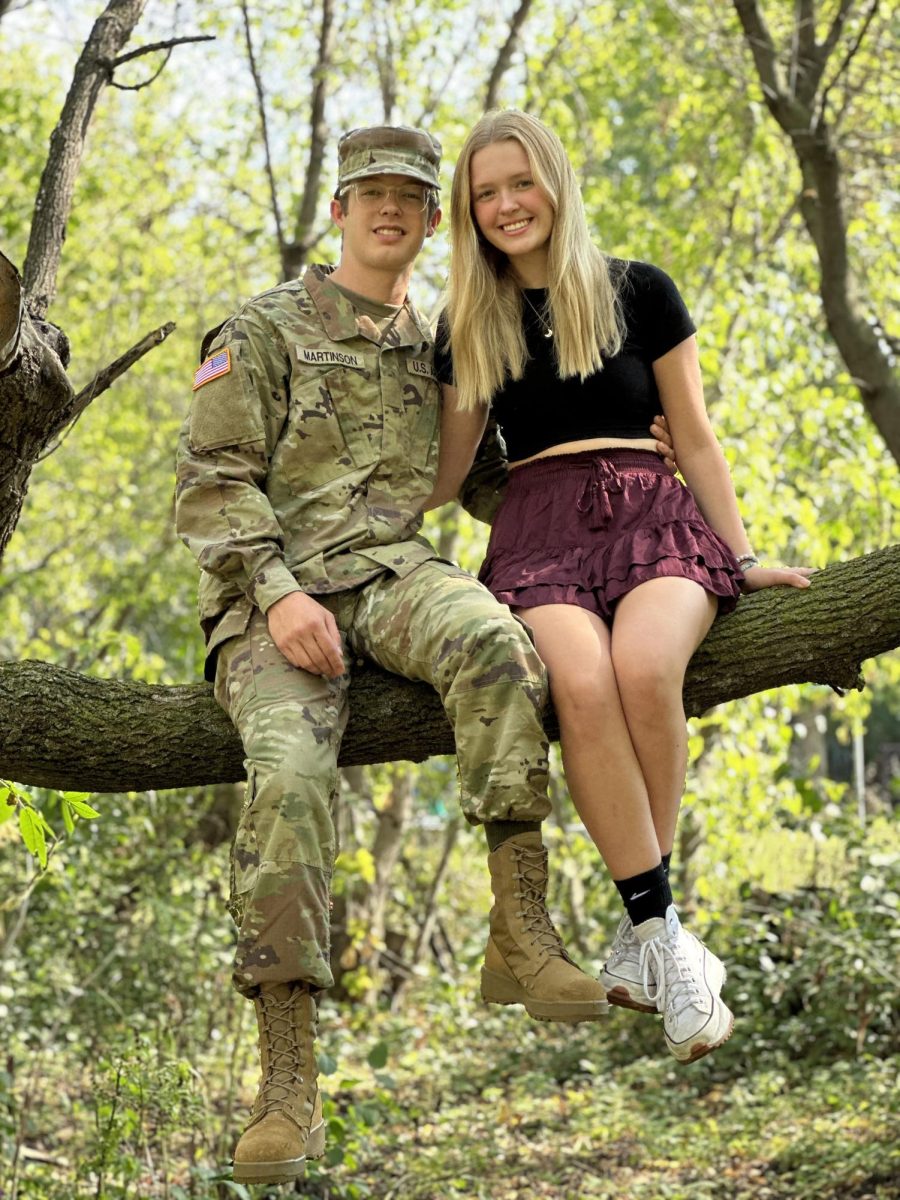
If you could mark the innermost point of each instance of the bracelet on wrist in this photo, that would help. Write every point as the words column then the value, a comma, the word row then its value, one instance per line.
column 747, row 561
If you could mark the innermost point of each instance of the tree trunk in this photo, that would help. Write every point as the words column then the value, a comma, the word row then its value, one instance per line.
column 93, row 72
column 64, row 730
column 37, row 400
column 799, row 104
column 36, row 397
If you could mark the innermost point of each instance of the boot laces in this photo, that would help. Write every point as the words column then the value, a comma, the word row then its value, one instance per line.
column 532, row 878
column 285, row 1055
column 668, row 974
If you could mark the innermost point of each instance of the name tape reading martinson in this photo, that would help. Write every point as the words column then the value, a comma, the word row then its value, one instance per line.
column 329, row 358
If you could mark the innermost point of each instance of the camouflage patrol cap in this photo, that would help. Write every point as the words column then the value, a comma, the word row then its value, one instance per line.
column 389, row 150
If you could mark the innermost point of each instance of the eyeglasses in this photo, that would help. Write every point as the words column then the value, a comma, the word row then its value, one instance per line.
column 373, row 196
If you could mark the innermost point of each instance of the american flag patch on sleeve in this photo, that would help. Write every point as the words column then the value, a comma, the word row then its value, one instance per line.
column 218, row 364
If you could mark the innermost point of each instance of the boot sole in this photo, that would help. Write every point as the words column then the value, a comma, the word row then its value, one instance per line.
column 285, row 1170
column 495, row 989
column 700, row 1049
column 622, row 999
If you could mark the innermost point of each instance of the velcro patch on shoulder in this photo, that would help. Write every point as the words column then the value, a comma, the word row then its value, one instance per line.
column 216, row 365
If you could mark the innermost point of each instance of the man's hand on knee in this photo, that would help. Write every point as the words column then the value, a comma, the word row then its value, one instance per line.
column 307, row 635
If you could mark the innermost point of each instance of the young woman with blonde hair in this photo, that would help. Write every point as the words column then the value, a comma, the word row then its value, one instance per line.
column 617, row 567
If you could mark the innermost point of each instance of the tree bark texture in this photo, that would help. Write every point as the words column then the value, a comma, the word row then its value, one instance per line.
column 36, row 397
column 65, row 730
column 799, row 106
column 93, row 72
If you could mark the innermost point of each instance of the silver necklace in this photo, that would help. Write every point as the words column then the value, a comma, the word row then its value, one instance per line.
column 545, row 324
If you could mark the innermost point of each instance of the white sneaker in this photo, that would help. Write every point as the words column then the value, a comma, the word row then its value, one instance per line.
column 622, row 975
column 684, row 980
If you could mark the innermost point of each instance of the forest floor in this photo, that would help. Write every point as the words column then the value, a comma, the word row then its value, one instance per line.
column 106, row 1095
column 451, row 1100
column 506, row 1111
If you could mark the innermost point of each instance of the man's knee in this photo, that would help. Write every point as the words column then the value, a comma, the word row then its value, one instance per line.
column 287, row 816
column 493, row 648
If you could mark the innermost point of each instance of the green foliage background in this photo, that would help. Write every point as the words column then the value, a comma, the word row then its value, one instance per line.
column 127, row 1061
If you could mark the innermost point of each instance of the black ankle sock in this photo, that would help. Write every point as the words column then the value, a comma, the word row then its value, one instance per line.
column 646, row 895
column 666, row 859
column 498, row 832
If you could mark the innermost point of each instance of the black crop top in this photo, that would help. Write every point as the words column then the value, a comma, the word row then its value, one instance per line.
column 541, row 410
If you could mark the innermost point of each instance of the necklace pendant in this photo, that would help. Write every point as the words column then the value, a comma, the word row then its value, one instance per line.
column 548, row 333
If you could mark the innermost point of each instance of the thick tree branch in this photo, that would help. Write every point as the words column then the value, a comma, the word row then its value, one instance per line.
column 62, row 729
column 296, row 253
column 504, row 58
column 111, row 31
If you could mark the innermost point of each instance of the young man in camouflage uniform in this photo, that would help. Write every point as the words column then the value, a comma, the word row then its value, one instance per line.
column 303, row 469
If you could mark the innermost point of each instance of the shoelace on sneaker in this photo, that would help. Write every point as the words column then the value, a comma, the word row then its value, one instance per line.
column 285, row 1059
column 623, row 941
column 675, row 984
column 532, row 875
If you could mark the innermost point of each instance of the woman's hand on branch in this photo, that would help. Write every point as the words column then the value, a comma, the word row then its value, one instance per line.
column 757, row 578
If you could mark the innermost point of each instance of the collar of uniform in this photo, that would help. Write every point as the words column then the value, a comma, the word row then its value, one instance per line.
column 341, row 320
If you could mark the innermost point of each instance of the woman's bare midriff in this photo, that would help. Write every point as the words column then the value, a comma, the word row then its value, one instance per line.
column 590, row 444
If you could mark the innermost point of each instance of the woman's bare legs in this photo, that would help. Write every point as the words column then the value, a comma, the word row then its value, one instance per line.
column 656, row 629
column 624, row 745
column 603, row 773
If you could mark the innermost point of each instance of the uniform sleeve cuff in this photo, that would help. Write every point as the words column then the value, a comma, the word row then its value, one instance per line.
column 271, row 584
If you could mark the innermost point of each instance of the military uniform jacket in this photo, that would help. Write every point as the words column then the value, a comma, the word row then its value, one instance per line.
column 308, row 452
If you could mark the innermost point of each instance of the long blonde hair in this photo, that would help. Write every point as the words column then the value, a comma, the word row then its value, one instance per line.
column 484, row 302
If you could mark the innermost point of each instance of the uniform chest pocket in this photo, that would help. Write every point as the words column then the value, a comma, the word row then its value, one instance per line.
column 325, row 435
column 421, row 403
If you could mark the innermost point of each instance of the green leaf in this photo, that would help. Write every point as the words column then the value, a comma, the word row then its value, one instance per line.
column 78, row 804
column 32, row 830
column 378, row 1056
column 68, row 820
column 237, row 1188
column 45, row 824
column 7, row 804
column 327, row 1065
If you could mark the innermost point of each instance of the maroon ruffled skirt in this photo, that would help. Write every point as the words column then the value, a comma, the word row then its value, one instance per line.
column 588, row 528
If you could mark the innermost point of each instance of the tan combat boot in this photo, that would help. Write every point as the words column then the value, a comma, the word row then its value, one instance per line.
column 286, row 1125
column 525, row 961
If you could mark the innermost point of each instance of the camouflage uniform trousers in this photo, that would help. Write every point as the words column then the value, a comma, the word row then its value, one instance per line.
column 437, row 624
